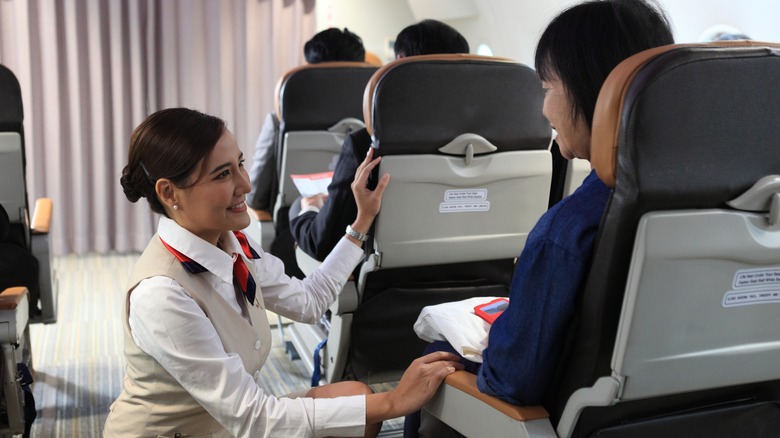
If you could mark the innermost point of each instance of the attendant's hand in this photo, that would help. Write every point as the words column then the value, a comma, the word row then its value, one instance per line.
column 368, row 201
column 316, row 201
column 418, row 385
column 423, row 377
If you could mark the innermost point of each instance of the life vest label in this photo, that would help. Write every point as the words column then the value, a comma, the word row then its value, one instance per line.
column 754, row 286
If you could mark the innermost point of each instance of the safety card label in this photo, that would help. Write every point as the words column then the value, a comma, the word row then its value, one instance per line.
column 754, row 286
column 464, row 200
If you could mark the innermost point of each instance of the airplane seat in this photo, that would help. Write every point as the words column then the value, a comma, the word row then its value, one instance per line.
column 465, row 143
column 31, row 234
column 676, row 333
column 19, row 265
column 317, row 105
column 13, row 196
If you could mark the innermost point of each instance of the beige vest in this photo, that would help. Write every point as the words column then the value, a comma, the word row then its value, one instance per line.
column 153, row 403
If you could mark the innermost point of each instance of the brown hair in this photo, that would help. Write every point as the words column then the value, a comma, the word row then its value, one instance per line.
column 171, row 144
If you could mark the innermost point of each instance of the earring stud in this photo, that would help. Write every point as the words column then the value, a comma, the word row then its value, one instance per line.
column 175, row 206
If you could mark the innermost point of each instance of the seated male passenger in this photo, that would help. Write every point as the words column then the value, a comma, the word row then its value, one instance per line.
column 329, row 45
column 317, row 225
column 574, row 55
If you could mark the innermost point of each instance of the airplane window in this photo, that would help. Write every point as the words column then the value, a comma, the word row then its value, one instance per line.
column 484, row 50
column 721, row 32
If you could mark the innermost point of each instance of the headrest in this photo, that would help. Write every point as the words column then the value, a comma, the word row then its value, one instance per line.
column 708, row 104
column 11, row 115
column 420, row 103
column 316, row 96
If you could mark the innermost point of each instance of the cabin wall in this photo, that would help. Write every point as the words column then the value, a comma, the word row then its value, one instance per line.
column 511, row 27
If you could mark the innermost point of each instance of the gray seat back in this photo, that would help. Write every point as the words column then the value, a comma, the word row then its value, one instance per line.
column 465, row 143
column 317, row 106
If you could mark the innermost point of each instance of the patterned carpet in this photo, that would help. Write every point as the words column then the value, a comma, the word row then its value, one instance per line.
column 79, row 363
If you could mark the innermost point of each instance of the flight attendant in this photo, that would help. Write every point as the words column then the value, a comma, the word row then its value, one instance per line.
column 196, row 333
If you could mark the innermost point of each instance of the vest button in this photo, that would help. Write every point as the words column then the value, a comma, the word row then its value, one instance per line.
column 257, row 345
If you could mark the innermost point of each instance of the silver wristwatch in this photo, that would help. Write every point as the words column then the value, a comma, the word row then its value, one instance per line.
column 357, row 235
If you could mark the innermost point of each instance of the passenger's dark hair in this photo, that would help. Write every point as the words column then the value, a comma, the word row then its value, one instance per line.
column 334, row 45
column 170, row 144
column 429, row 37
column 584, row 43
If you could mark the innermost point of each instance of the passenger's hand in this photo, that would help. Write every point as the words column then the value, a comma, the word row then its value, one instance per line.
column 368, row 201
column 316, row 201
column 423, row 377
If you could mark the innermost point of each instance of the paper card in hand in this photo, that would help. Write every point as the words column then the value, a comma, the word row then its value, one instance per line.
column 311, row 184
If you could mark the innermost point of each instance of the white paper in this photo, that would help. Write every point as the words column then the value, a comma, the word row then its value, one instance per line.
column 312, row 183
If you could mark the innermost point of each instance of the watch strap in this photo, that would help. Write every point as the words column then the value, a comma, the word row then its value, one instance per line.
column 356, row 234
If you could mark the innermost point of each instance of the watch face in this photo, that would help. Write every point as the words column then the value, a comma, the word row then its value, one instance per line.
column 356, row 234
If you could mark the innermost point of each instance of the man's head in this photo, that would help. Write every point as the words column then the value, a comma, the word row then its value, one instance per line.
column 429, row 37
column 334, row 45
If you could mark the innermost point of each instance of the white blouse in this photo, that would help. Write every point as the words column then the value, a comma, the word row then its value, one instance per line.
column 168, row 325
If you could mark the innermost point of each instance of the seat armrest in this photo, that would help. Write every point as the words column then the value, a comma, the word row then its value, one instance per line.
column 14, row 314
column 467, row 383
column 11, row 297
column 41, row 219
column 459, row 404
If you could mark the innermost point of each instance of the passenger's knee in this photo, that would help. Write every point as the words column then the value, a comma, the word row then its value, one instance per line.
column 357, row 388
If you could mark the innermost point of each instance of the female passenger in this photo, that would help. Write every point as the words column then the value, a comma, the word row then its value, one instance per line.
column 196, row 334
column 574, row 55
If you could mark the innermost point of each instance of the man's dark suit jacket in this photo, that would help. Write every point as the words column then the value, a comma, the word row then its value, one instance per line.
column 318, row 233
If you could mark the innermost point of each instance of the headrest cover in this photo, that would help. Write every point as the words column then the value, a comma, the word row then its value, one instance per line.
column 316, row 96
column 420, row 103
column 11, row 115
column 716, row 102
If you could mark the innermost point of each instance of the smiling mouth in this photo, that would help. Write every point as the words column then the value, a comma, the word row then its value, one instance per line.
column 238, row 206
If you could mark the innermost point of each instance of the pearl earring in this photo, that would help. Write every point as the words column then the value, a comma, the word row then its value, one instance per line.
column 175, row 206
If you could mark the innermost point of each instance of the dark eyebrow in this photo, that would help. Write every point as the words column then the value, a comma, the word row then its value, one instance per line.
column 219, row 168
column 224, row 165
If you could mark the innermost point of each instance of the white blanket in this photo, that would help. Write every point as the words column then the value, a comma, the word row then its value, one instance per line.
column 456, row 323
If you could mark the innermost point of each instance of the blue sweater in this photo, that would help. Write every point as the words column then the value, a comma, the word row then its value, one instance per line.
column 525, row 341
